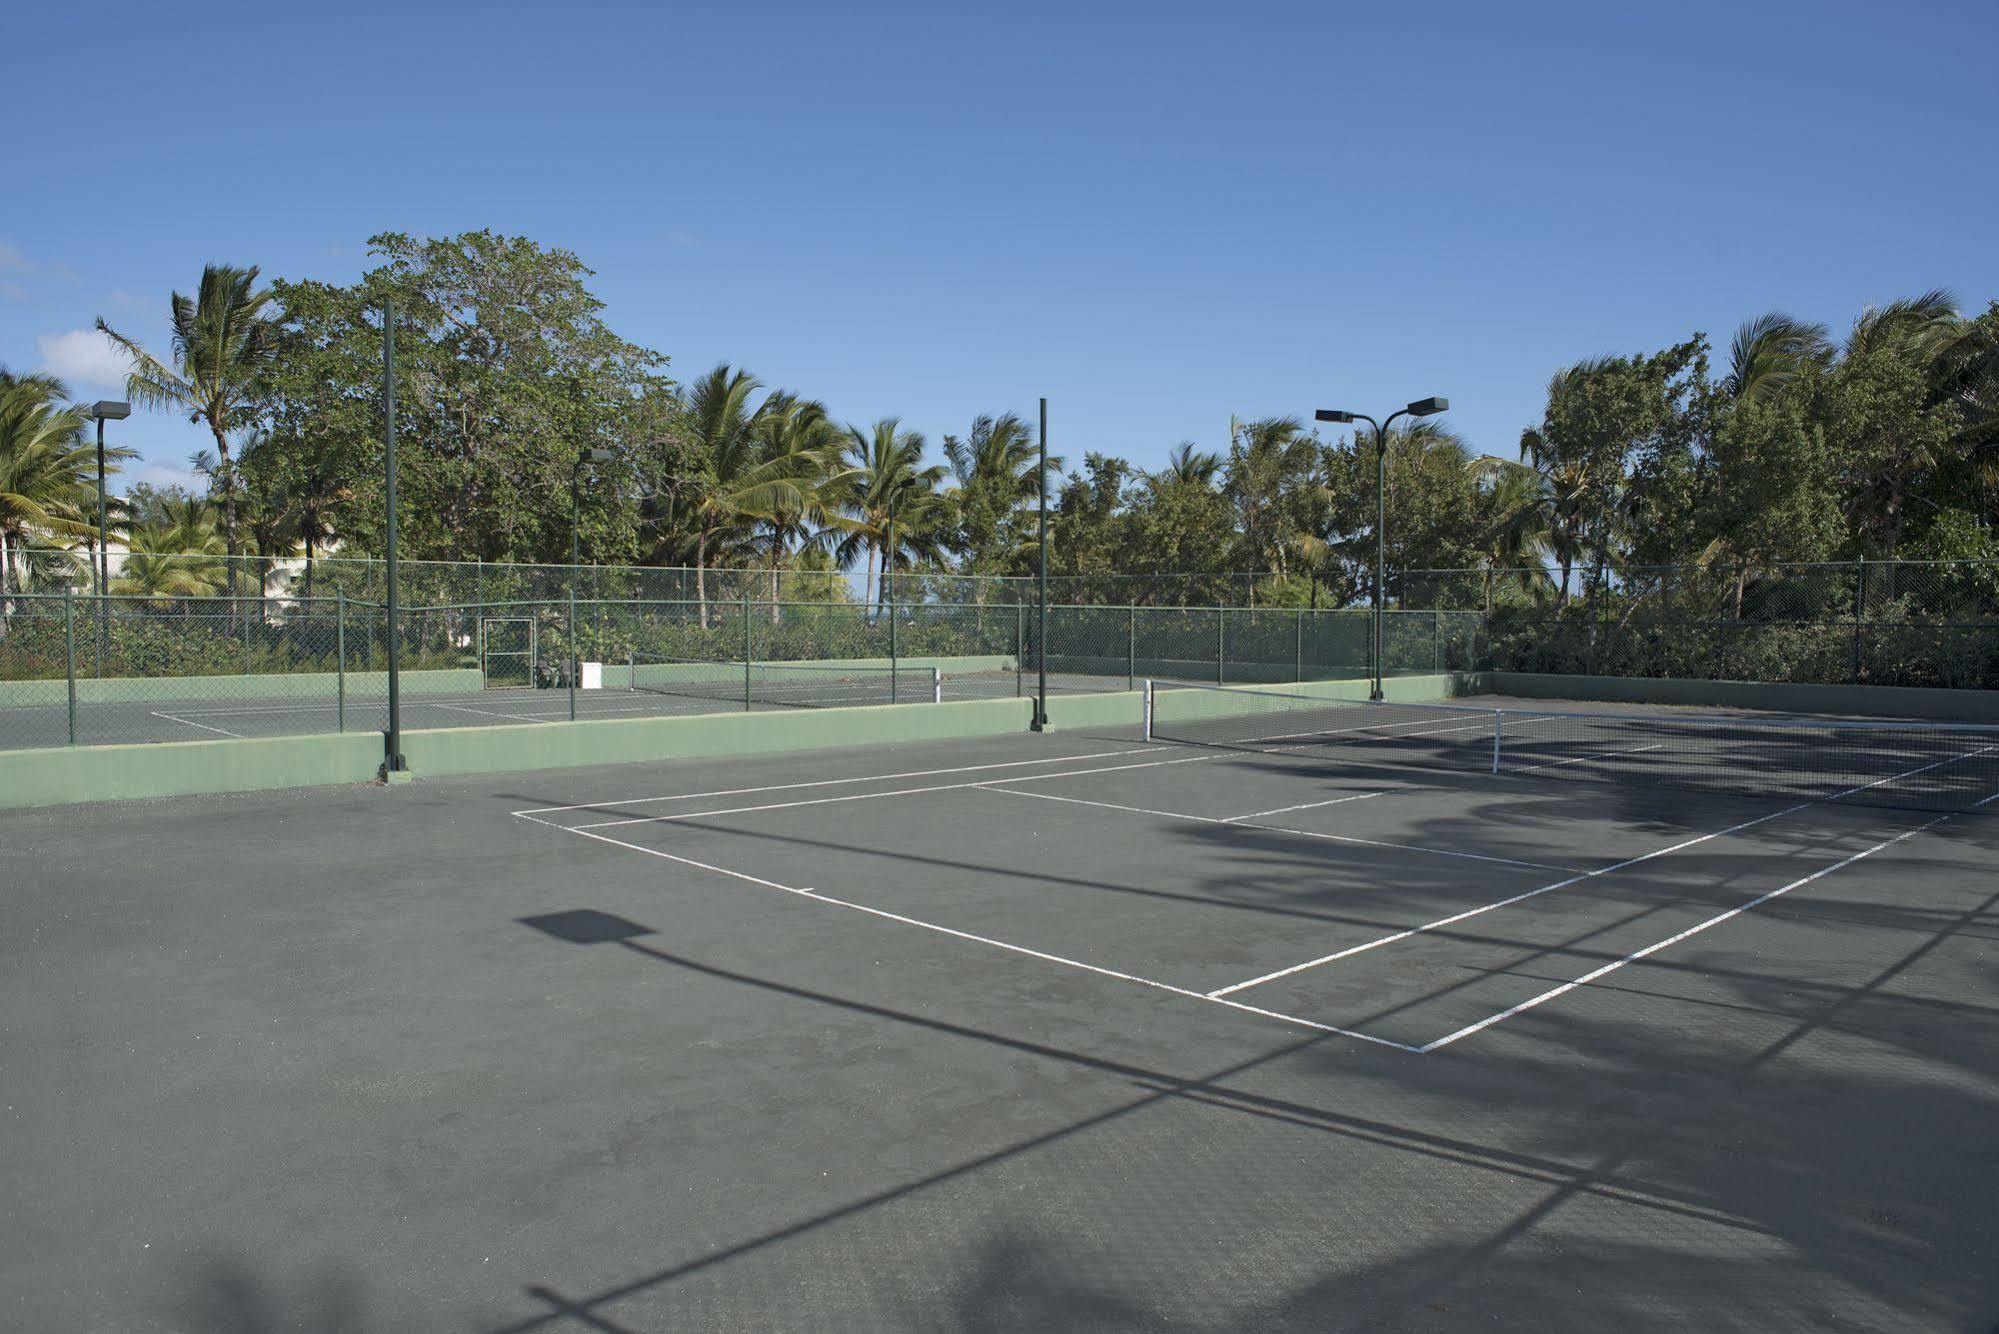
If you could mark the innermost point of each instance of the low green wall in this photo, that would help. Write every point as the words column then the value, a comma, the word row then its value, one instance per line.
column 262, row 685
column 57, row 775
column 470, row 750
column 1961, row 706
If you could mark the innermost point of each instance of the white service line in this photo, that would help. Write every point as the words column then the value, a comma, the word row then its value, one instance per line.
column 1694, row 930
column 1304, row 806
column 1391, row 938
column 1274, row 829
column 184, row 722
column 891, row 792
column 1585, row 759
column 818, row 896
column 829, row 782
column 483, row 713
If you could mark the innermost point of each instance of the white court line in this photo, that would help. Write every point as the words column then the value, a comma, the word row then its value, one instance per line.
column 1274, row 829
column 1585, row 759
column 868, row 797
column 1304, row 806
column 1694, row 930
column 817, row 896
column 830, row 782
column 485, row 713
column 203, row 726
column 1390, row 939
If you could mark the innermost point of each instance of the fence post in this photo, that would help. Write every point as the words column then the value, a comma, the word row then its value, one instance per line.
column 1221, row 644
column 1019, row 645
column 1436, row 641
column 245, row 602
column 749, row 672
column 1298, row 645
column 1498, row 716
column 894, row 654
column 1859, row 613
column 1131, row 649
column 340, row 659
column 69, row 655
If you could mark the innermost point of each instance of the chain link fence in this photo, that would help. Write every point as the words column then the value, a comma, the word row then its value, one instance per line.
column 304, row 649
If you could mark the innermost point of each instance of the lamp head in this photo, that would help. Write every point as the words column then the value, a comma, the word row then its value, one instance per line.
column 110, row 410
column 1428, row 407
column 1332, row 415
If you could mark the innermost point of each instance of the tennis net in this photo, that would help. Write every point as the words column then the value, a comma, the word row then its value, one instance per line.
column 1930, row 766
column 796, row 685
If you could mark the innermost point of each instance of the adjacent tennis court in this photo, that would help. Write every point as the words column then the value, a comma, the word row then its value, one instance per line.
column 1294, row 1016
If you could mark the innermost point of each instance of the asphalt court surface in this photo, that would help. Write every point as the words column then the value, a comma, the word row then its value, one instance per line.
column 1388, row 904
column 1027, row 1033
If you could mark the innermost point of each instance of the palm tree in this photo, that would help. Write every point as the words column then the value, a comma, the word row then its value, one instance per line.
column 46, row 468
column 1188, row 466
column 296, row 487
column 731, row 482
column 997, row 471
column 222, row 344
column 890, row 500
column 797, row 436
column 1270, row 460
column 182, row 557
column 1770, row 352
column 1519, row 504
column 1918, row 335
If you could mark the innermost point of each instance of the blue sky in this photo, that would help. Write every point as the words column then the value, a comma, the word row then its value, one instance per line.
column 1155, row 215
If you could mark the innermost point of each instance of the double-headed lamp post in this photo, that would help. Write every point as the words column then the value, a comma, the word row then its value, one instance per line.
column 576, row 500
column 1427, row 407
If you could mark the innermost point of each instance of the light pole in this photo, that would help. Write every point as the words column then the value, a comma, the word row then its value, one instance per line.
column 576, row 503
column 1426, row 407
column 108, row 410
column 1040, row 720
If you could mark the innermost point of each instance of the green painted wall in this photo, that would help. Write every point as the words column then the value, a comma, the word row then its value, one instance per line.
column 630, row 741
column 56, row 775
column 1962, row 706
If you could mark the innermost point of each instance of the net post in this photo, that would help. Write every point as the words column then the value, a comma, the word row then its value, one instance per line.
column 1145, row 714
column 1498, row 716
column 69, row 655
column 575, row 650
column 936, row 685
column 340, row 659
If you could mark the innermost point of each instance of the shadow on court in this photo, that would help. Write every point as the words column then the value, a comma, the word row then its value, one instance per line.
column 373, row 1061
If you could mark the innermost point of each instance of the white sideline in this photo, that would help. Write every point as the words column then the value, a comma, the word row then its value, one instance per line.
column 817, row 896
column 1239, row 823
column 187, row 722
column 829, row 782
column 892, row 792
column 1390, row 939
column 1694, row 930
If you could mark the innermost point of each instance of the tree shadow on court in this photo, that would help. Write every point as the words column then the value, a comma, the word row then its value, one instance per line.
column 225, row 1295
column 1600, row 1172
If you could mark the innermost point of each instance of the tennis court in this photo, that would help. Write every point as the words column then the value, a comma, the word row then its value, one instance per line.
column 1293, row 1016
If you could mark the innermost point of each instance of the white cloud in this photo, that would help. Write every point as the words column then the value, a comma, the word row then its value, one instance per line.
column 13, row 291
column 83, row 357
column 12, row 260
